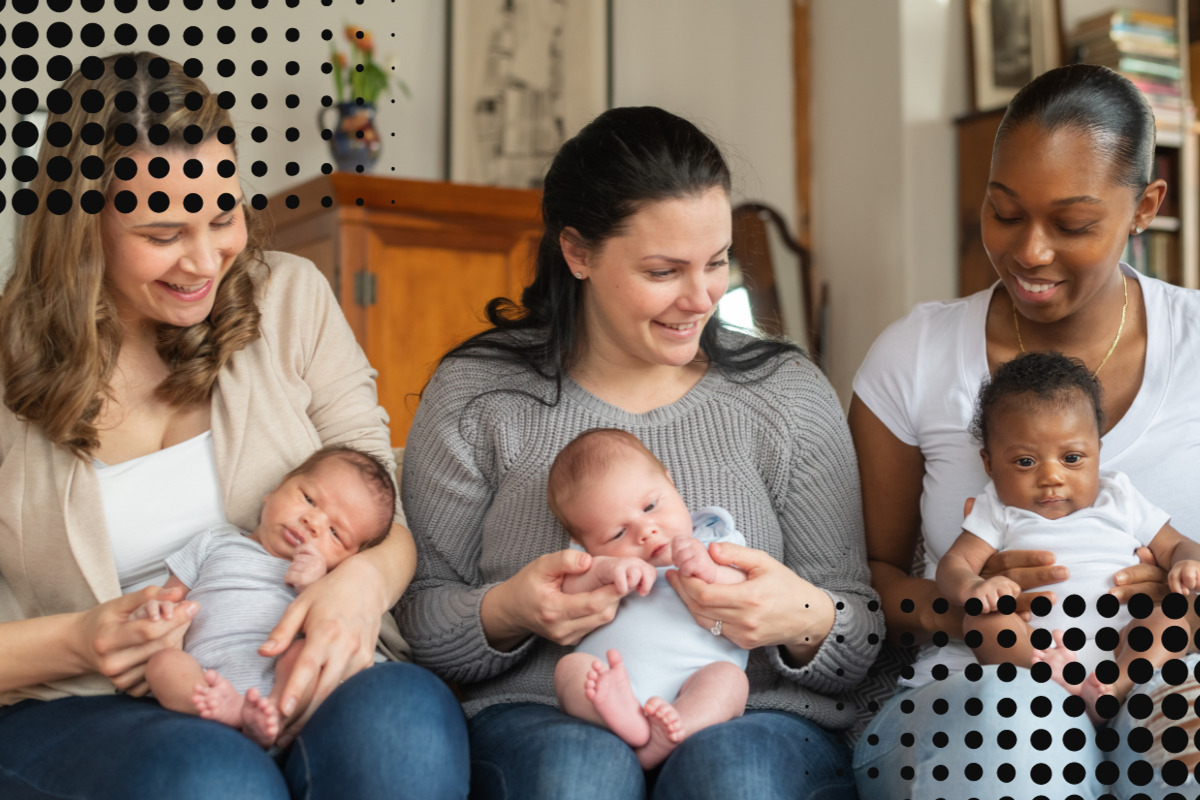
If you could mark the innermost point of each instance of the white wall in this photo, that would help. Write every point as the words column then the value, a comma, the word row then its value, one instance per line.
column 726, row 65
column 888, row 79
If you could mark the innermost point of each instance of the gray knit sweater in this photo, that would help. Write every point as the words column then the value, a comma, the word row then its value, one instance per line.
column 775, row 453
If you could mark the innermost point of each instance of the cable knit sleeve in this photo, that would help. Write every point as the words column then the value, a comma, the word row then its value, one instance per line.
column 447, row 492
column 821, row 518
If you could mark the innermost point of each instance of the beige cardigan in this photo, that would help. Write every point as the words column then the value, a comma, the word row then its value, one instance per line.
column 304, row 383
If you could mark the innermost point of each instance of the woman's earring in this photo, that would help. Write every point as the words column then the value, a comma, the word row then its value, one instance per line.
column 579, row 275
column 1137, row 229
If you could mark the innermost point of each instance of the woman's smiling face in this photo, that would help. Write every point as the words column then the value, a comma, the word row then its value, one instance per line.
column 166, row 266
column 651, row 289
column 1054, row 220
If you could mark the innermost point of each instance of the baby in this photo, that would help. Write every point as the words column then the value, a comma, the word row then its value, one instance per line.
column 1039, row 420
column 336, row 503
column 618, row 503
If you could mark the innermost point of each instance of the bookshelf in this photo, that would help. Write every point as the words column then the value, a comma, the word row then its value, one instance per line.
column 1170, row 248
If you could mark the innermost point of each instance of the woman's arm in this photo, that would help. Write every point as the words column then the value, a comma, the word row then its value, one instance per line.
column 815, row 610
column 892, row 473
column 101, row 640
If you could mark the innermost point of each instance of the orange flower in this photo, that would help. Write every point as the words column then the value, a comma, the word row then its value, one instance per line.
column 367, row 43
column 341, row 57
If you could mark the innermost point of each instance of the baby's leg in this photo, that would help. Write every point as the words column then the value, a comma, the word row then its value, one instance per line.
column 998, row 630
column 261, row 717
column 173, row 676
column 608, row 697
column 714, row 693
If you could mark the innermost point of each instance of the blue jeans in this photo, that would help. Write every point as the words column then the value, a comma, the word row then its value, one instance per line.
column 993, row 738
column 526, row 751
column 393, row 730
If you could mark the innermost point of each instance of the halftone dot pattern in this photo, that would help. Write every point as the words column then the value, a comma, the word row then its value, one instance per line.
column 1162, row 712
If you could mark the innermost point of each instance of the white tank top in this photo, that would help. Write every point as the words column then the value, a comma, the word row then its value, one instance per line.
column 155, row 503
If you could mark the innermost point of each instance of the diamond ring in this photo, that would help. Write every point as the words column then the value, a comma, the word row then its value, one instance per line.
column 715, row 630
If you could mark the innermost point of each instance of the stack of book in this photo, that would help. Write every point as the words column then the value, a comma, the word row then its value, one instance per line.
column 1143, row 47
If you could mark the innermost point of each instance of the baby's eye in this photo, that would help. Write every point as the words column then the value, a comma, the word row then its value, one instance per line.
column 1025, row 462
column 333, row 532
column 1073, row 458
column 650, row 507
column 619, row 534
column 308, row 499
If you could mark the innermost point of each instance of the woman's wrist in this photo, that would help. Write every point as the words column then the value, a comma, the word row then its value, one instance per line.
column 819, row 615
column 500, row 625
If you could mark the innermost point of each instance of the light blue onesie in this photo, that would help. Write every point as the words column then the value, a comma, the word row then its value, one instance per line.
column 242, row 596
column 659, row 641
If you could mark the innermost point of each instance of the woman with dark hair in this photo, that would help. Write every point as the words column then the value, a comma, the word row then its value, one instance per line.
column 1070, row 182
column 160, row 373
column 618, row 329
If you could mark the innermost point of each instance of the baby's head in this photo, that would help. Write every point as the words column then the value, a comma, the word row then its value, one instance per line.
column 340, row 499
column 1039, row 420
column 615, row 498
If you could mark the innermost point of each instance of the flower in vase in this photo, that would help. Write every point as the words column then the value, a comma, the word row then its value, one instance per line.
column 359, row 78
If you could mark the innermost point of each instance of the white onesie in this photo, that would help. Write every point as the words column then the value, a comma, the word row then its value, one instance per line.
column 659, row 641
column 1093, row 543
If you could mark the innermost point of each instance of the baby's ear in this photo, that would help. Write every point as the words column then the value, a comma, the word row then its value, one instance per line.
column 987, row 461
column 669, row 477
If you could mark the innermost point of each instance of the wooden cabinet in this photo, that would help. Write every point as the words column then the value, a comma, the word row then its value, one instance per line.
column 413, row 264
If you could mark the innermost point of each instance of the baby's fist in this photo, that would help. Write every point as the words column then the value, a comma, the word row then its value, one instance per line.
column 1184, row 577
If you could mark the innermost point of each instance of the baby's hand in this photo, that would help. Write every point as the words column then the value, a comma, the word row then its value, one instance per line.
column 692, row 558
column 307, row 567
column 1184, row 577
column 155, row 610
column 991, row 590
column 626, row 574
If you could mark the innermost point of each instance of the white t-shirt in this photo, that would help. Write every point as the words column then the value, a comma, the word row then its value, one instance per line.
column 1093, row 543
column 155, row 503
column 921, row 378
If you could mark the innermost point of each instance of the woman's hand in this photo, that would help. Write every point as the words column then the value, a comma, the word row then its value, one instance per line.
column 339, row 616
column 115, row 641
column 773, row 606
column 1144, row 578
column 1027, row 569
column 533, row 602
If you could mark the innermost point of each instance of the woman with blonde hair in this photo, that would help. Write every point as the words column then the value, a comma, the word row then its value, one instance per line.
column 159, row 373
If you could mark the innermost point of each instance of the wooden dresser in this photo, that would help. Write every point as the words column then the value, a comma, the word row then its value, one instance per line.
column 413, row 263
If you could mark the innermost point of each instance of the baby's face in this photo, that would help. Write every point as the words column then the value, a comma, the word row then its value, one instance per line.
column 632, row 511
column 1047, row 462
column 331, row 508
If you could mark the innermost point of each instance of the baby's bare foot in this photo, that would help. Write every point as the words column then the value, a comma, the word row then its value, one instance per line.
column 260, row 718
column 666, row 732
column 607, row 687
column 1058, row 658
column 1092, row 690
column 216, row 699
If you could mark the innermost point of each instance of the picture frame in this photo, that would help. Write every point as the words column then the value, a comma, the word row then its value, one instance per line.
column 1010, row 42
column 523, row 76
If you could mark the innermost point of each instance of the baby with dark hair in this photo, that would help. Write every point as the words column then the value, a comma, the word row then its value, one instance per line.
column 338, row 502
column 1039, row 420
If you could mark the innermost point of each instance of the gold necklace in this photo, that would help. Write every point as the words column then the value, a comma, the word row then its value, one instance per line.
column 1111, row 347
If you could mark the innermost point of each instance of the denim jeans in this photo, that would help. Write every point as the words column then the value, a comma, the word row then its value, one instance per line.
column 995, row 738
column 393, row 731
column 527, row 751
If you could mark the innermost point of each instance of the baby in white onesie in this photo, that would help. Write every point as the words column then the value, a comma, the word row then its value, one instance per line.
column 670, row 677
column 1040, row 421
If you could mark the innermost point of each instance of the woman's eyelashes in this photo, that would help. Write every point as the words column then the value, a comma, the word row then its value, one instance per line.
column 164, row 242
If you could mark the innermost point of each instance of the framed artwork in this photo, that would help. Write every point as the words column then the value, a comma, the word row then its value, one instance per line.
column 1010, row 43
column 523, row 77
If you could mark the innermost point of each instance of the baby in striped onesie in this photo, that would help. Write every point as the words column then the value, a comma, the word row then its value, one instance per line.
column 338, row 502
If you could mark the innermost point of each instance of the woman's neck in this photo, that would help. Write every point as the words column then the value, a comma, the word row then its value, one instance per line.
column 1088, row 333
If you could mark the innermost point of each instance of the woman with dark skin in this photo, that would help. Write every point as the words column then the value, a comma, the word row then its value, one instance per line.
column 1069, row 183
